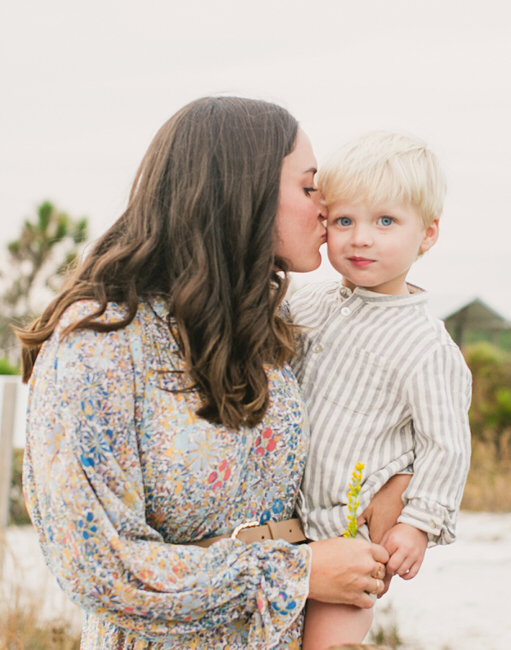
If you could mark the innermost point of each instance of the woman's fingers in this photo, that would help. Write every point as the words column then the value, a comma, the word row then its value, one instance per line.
column 376, row 587
column 380, row 571
column 379, row 553
column 347, row 571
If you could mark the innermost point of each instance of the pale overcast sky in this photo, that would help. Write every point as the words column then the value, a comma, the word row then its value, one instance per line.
column 85, row 86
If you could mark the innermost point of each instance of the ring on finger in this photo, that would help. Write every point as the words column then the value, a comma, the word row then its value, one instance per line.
column 380, row 571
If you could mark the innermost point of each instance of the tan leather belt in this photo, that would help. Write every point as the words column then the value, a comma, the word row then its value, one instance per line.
column 290, row 530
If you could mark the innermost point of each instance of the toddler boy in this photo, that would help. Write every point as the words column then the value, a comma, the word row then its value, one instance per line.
column 384, row 383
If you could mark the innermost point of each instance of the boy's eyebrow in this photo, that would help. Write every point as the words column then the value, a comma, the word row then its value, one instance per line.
column 311, row 169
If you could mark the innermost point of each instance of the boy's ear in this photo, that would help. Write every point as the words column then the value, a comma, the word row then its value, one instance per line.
column 430, row 236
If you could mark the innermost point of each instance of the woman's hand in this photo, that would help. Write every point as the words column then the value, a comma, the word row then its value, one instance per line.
column 346, row 571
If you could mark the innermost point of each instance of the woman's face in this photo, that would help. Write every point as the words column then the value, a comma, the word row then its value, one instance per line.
column 301, row 212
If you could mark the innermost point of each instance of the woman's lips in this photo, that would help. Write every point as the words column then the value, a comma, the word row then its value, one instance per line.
column 360, row 261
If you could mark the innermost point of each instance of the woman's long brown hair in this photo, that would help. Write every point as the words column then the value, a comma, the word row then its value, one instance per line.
column 199, row 230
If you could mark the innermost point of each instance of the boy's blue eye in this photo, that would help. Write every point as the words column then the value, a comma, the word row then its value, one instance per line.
column 344, row 221
column 386, row 221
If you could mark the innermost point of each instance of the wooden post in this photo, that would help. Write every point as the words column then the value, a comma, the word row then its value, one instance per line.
column 6, row 438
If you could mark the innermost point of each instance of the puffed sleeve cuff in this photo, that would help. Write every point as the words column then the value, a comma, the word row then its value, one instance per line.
column 267, row 583
column 434, row 519
column 279, row 597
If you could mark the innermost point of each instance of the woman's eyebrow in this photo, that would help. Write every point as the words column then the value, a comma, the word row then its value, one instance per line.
column 311, row 169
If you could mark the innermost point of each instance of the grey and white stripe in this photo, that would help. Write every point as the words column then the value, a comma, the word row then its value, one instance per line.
column 384, row 385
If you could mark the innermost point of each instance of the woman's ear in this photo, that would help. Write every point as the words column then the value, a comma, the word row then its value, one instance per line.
column 430, row 237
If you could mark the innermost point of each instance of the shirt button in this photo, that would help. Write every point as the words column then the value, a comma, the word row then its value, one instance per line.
column 345, row 292
column 318, row 348
column 345, row 311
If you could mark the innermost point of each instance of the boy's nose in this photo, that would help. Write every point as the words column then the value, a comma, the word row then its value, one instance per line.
column 361, row 236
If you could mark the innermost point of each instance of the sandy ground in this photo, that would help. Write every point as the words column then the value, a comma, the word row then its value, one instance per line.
column 26, row 580
column 461, row 599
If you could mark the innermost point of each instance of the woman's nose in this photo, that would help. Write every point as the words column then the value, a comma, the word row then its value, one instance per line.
column 323, row 210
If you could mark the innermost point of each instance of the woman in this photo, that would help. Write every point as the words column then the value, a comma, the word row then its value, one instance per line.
column 162, row 411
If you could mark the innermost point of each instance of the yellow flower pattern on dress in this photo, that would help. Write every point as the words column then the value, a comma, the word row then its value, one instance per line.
column 120, row 475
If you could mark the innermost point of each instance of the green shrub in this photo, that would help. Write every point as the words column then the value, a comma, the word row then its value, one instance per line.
column 490, row 412
column 7, row 369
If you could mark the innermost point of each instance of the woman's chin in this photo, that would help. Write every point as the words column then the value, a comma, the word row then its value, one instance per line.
column 307, row 266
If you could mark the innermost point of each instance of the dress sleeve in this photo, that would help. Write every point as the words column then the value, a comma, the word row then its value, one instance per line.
column 85, row 493
column 439, row 393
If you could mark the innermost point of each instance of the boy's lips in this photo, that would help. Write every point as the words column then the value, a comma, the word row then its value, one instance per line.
column 360, row 261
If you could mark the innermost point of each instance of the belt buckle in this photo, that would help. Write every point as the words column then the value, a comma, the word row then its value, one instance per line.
column 240, row 527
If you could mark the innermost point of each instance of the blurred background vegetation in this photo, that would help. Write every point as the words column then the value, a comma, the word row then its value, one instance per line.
column 489, row 482
column 36, row 266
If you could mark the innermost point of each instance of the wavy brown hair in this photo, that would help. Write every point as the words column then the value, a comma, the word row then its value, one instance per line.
column 199, row 230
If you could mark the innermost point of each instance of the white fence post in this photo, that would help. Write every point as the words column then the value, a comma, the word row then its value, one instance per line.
column 10, row 386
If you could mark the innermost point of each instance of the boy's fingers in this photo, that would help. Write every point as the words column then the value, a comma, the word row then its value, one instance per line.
column 386, row 584
column 414, row 570
column 406, row 565
column 394, row 565
column 362, row 519
column 409, row 568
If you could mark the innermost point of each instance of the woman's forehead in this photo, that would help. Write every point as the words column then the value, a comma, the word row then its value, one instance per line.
column 301, row 160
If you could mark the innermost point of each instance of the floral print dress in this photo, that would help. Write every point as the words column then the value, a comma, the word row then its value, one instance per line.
column 120, row 475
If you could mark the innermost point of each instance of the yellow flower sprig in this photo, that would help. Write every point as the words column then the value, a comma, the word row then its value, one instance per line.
column 353, row 502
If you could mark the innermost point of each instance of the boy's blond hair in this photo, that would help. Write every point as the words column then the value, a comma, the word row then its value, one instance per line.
column 389, row 168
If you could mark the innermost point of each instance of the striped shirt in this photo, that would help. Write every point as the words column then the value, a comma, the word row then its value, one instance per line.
column 385, row 385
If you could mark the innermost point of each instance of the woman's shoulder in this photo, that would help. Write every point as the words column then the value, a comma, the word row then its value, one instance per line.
column 148, row 311
column 79, row 310
column 145, row 341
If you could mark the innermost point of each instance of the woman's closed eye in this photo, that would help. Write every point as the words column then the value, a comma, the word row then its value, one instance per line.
column 309, row 190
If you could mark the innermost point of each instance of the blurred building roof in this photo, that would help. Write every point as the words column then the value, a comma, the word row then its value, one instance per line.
column 473, row 315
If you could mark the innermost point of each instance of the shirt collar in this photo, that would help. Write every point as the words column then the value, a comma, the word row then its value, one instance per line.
column 415, row 297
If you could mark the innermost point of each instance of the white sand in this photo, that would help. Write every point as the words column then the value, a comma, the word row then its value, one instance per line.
column 461, row 599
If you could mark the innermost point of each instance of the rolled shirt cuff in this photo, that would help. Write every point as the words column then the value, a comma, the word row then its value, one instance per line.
column 437, row 521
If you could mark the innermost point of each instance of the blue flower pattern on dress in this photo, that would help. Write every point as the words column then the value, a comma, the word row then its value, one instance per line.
column 120, row 474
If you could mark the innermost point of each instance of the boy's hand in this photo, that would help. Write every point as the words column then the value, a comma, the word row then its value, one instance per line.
column 406, row 546
column 385, row 507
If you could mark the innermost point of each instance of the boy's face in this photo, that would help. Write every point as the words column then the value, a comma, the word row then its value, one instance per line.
column 374, row 246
